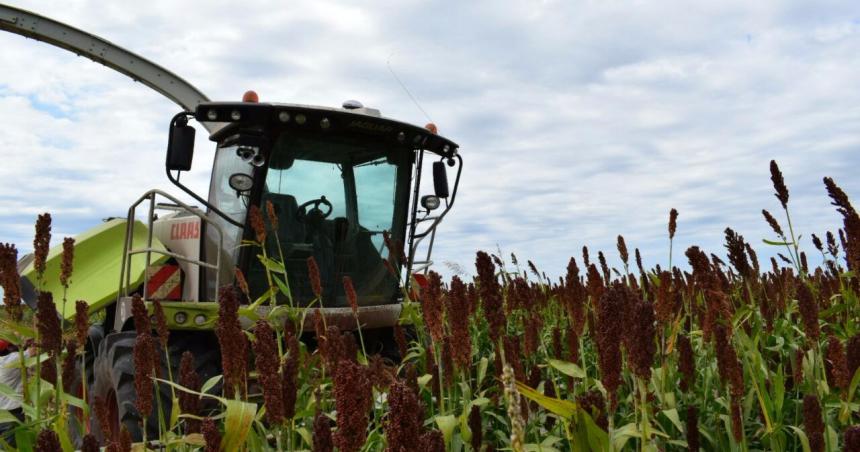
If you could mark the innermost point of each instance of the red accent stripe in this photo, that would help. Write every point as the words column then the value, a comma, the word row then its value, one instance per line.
column 163, row 275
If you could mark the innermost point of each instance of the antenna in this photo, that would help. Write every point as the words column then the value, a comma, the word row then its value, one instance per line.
column 402, row 85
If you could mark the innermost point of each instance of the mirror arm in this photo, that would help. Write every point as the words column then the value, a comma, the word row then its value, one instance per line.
column 449, row 201
column 175, row 180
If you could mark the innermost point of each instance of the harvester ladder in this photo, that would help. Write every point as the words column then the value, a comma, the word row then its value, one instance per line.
column 129, row 250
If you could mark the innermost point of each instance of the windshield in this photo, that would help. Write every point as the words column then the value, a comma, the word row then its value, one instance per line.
column 333, row 197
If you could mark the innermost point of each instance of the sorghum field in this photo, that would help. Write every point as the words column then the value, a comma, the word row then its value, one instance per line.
column 720, row 352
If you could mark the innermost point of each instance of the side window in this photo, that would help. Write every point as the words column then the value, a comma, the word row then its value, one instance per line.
column 374, row 185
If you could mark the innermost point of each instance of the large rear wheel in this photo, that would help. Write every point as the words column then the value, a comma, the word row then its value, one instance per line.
column 114, row 379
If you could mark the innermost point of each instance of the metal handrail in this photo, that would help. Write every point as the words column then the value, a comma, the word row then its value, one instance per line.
column 129, row 251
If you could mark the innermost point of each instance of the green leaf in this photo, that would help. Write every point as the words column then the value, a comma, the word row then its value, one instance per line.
column 771, row 242
column 564, row 408
column 284, row 286
column 672, row 415
column 482, row 371
column 272, row 265
column 7, row 417
column 804, row 441
column 210, row 383
column 447, row 424
column 306, row 436
column 567, row 368
column 423, row 380
column 238, row 418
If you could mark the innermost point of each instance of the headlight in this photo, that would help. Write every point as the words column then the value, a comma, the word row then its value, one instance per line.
column 180, row 317
column 241, row 182
column 430, row 202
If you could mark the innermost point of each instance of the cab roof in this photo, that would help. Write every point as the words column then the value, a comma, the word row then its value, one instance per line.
column 363, row 121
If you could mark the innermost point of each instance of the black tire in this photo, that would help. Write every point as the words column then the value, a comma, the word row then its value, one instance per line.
column 114, row 378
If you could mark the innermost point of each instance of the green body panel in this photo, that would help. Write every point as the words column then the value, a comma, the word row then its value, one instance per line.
column 96, row 266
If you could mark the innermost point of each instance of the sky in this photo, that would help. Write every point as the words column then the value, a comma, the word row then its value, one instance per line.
column 577, row 120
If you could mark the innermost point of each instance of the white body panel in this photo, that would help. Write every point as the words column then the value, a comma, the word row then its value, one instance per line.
column 181, row 234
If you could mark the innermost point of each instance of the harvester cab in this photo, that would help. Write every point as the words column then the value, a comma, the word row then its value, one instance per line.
column 338, row 186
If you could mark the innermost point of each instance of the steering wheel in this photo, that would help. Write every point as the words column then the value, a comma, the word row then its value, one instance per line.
column 302, row 213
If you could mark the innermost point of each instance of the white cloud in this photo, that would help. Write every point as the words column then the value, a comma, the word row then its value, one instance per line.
column 578, row 120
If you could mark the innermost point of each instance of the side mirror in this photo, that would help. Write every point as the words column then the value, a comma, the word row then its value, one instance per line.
column 440, row 179
column 180, row 148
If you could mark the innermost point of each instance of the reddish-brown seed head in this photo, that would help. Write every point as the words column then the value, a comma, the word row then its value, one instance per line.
column 189, row 403
column 314, row 276
column 144, row 370
column 351, row 296
column 266, row 359
column 257, row 223
column 67, row 263
column 41, row 242
column 813, row 424
column 48, row 324
column 673, row 223
column 353, row 400
column 778, row 184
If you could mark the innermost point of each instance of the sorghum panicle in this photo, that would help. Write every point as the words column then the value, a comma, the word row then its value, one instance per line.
column 838, row 363
column 314, row 276
column 673, row 223
column 273, row 217
column 103, row 416
column 322, row 433
column 622, row 250
column 609, row 310
column 189, row 403
column 353, row 400
column 41, row 242
column 431, row 306
column 686, row 363
column 242, row 283
column 458, row 321
column 405, row 419
column 68, row 366
column 67, row 263
column 643, row 346
column 10, row 281
column 813, row 423
column 778, row 184
column 604, row 267
column 808, row 307
column 160, row 323
column 47, row 441
column 232, row 339
column 124, row 439
column 737, row 419
column 144, row 370
column 257, row 223
column 852, row 439
column 141, row 316
column 692, row 424
column 853, row 354
column 48, row 324
column 432, row 441
column 82, row 324
column 211, row 435
column 89, row 443
column 772, row 222
column 266, row 358
column 491, row 296
column 476, row 428
column 351, row 296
